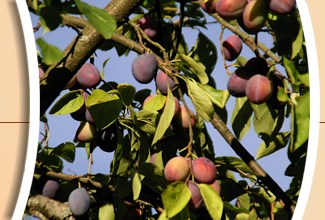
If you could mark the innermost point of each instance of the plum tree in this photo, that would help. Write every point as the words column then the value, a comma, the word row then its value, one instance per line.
column 230, row 9
column 86, row 132
column 254, row 16
column 144, row 68
column 160, row 157
column 79, row 201
column 177, row 169
column 162, row 82
column 50, row 188
column 282, row 6
column 258, row 89
column 204, row 170
column 232, row 47
column 88, row 76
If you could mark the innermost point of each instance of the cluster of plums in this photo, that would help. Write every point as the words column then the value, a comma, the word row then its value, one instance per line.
column 145, row 69
column 78, row 200
column 203, row 170
column 251, row 81
column 250, row 14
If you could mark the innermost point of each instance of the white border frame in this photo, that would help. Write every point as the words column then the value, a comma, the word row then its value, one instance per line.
column 34, row 109
column 30, row 47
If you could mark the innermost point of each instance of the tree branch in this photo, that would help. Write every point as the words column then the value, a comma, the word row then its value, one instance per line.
column 260, row 173
column 46, row 208
column 247, row 39
column 78, row 52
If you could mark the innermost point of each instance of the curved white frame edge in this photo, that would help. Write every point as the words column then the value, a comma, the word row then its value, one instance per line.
column 34, row 109
column 314, row 110
column 30, row 47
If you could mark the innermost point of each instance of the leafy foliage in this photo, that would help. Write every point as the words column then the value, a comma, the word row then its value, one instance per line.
column 149, row 134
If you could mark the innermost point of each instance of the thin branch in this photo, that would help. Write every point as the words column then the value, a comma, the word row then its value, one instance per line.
column 260, row 173
column 247, row 39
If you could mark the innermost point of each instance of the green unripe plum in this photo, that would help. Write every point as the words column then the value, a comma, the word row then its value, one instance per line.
column 88, row 76
column 79, row 201
column 282, row 6
column 86, row 132
column 232, row 47
column 177, row 169
column 144, row 68
column 258, row 89
column 231, row 9
column 254, row 16
column 162, row 81
column 238, row 80
column 210, row 6
column 196, row 198
column 50, row 188
column 204, row 170
column 183, row 119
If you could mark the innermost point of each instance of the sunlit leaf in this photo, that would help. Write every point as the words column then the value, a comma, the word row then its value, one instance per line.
column 68, row 103
column 175, row 197
column 99, row 18
column 51, row 54
column 212, row 201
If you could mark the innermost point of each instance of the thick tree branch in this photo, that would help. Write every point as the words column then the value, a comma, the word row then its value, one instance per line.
column 78, row 52
column 46, row 208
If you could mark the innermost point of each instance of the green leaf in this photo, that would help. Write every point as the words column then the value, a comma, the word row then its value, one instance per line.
column 301, row 116
column 156, row 103
column 127, row 93
column 205, row 52
column 104, row 64
column 175, row 197
column 66, row 151
column 280, row 141
column 68, row 103
column 104, row 108
column 51, row 54
column 297, row 43
column 147, row 120
column 106, row 212
column 99, row 18
column 196, row 68
column 241, row 117
column 217, row 97
column 50, row 17
column 212, row 201
column 291, row 71
column 267, row 121
column 166, row 117
column 136, row 185
column 200, row 99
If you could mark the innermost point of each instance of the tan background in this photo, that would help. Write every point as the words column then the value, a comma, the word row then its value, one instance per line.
column 14, row 109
